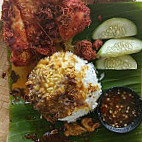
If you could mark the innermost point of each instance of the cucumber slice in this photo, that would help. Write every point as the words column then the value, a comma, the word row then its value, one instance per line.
column 115, row 28
column 119, row 47
column 117, row 63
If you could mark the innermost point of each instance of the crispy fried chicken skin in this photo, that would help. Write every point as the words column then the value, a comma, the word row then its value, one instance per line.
column 33, row 27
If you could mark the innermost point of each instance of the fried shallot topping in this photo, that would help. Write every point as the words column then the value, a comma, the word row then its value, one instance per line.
column 73, row 129
column 87, row 125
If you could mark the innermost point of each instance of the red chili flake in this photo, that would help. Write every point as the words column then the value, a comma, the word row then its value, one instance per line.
column 100, row 18
column 95, row 1
column 28, row 136
column 97, row 44
column 34, row 136
column 104, row 110
column 119, row 112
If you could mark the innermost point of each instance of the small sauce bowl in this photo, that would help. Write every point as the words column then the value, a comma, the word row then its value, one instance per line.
column 120, row 109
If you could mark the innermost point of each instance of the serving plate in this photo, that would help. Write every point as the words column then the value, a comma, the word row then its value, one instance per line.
column 25, row 120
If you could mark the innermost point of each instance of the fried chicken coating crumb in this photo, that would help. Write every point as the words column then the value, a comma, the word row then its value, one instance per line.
column 97, row 44
column 84, row 49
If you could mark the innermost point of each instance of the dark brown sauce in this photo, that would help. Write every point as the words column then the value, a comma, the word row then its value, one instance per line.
column 119, row 108
column 86, row 140
column 32, row 137
column 28, row 136
column 30, row 118
column 50, row 137
column 20, row 74
column 14, row 76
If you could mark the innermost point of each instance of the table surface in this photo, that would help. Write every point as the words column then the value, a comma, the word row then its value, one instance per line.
column 4, row 91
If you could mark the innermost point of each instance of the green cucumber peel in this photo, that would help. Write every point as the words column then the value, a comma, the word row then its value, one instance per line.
column 115, row 28
column 125, row 62
column 120, row 47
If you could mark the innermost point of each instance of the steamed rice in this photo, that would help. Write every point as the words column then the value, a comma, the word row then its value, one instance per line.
column 55, row 70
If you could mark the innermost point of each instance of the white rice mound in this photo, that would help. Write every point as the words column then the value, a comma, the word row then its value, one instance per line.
column 50, row 78
column 90, row 77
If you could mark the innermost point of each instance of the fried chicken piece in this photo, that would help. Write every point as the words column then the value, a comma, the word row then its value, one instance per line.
column 84, row 50
column 39, row 38
column 46, row 18
column 14, row 31
column 20, row 29
column 28, row 9
column 63, row 21
column 15, row 35
column 74, row 19
column 32, row 26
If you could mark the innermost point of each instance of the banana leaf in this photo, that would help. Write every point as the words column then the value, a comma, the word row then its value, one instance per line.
column 20, row 125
